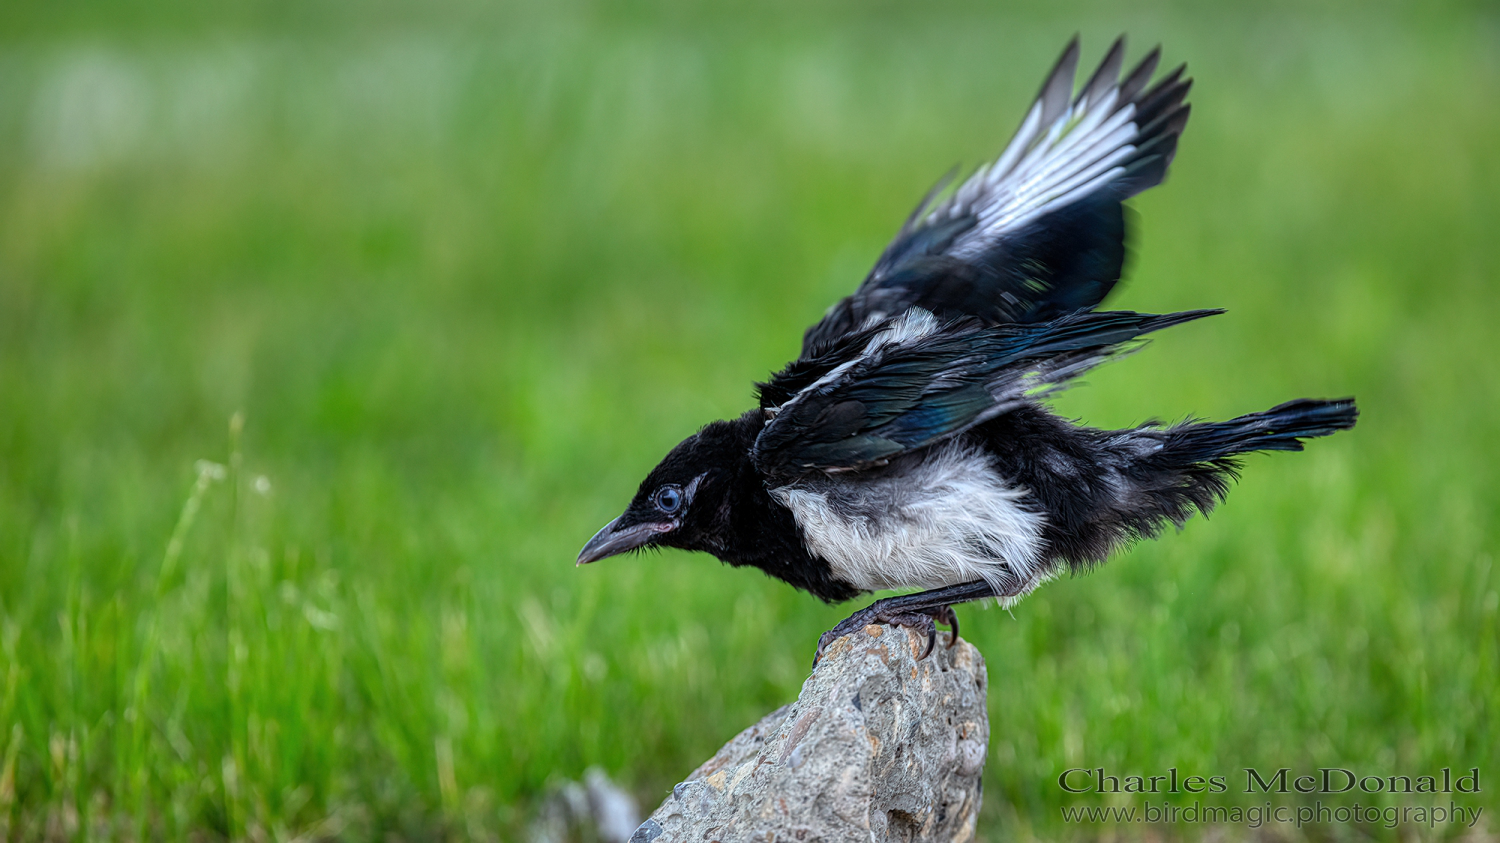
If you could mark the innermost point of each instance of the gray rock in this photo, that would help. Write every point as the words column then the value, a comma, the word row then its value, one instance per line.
column 598, row 810
column 878, row 746
column 613, row 810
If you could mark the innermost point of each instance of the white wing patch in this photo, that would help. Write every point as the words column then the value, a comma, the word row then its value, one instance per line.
column 940, row 518
column 1065, row 149
column 909, row 327
column 914, row 324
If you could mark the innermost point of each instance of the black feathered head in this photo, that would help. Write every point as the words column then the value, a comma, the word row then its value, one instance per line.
column 681, row 502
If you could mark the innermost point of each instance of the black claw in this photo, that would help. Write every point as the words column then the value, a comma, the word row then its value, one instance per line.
column 922, row 612
column 823, row 643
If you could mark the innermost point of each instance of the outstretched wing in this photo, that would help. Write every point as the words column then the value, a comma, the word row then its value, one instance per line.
column 916, row 381
column 1041, row 231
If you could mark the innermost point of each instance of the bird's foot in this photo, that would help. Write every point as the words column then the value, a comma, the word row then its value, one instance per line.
column 923, row 620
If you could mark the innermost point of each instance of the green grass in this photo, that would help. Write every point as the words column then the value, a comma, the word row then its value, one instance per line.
column 466, row 274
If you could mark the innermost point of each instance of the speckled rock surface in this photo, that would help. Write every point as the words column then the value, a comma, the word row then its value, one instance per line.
column 878, row 746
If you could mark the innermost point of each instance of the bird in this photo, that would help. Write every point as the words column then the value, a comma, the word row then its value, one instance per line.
column 910, row 445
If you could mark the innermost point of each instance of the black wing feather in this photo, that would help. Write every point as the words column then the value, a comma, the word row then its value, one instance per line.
column 1019, row 242
column 867, row 401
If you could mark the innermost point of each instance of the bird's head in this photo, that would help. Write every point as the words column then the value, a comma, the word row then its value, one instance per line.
column 681, row 503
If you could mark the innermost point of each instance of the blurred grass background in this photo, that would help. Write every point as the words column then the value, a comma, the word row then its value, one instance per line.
column 465, row 272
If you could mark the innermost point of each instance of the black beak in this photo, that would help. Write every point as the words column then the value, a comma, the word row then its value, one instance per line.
column 613, row 540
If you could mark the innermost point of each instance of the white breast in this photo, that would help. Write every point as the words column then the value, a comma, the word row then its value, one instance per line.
column 941, row 518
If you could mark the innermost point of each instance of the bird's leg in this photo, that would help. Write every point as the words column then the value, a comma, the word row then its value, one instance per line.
column 921, row 611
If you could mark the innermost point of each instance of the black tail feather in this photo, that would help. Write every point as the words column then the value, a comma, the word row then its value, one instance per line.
column 1281, row 428
column 1171, row 474
column 1104, row 489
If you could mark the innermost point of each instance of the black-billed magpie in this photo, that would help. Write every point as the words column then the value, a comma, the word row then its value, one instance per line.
column 908, row 446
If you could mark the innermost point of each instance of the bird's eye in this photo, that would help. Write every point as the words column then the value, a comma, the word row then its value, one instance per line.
column 668, row 499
